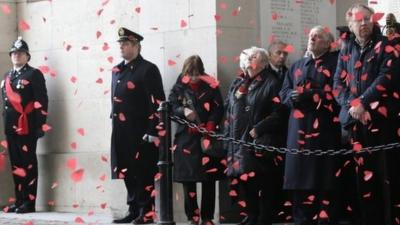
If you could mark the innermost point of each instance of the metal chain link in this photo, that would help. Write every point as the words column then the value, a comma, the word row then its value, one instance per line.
column 264, row 148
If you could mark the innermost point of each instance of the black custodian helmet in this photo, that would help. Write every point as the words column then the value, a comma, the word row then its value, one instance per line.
column 20, row 46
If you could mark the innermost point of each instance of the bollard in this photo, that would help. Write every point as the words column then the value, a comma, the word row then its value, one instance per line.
column 165, row 210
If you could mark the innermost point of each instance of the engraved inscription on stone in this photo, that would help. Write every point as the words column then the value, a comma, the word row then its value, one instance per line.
column 291, row 20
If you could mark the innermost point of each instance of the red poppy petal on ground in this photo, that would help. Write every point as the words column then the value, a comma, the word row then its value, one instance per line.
column 217, row 17
column 6, row 9
column 23, row 25
column 192, row 194
column 332, row 2
column 19, row 172
column 4, row 144
column 99, row 81
column 104, row 158
column 28, row 223
column 85, row 48
column 77, row 175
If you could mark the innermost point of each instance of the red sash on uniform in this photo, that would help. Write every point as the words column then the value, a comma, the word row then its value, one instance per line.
column 15, row 99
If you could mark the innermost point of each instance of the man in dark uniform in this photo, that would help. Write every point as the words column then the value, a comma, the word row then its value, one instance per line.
column 136, row 92
column 25, row 110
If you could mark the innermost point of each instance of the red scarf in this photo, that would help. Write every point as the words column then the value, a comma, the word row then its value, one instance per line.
column 15, row 99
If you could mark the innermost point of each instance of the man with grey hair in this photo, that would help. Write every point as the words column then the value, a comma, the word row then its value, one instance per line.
column 307, row 91
column 367, row 86
column 253, row 115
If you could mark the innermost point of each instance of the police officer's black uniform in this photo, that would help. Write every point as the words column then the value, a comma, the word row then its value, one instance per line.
column 24, row 112
column 136, row 91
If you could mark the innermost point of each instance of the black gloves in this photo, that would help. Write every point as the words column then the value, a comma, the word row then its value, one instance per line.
column 297, row 97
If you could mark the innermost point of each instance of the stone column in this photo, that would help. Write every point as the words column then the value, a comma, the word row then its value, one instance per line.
column 8, row 34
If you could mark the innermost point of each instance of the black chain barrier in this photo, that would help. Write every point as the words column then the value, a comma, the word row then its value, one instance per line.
column 263, row 148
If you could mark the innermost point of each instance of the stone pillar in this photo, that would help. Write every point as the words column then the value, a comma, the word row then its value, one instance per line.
column 8, row 24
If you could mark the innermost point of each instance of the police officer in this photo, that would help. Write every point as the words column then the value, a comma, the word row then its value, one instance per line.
column 25, row 109
column 136, row 91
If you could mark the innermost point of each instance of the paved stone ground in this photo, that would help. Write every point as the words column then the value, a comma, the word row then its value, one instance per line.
column 56, row 218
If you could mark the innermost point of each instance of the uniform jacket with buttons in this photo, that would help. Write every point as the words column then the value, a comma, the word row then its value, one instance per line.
column 136, row 93
column 260, row 108
column 30, row 84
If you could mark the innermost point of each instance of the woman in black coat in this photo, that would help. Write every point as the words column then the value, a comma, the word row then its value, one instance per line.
column 254, row 114
column 197, row 98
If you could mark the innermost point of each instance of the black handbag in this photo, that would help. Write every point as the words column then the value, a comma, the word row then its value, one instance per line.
column 209, row 145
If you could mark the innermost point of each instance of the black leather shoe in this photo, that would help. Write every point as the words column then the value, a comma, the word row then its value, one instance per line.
column 25, row 208
column 127, row 219
column 143, row 220
column 12, row 208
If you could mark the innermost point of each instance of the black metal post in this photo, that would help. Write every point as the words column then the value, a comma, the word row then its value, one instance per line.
column 166, row 211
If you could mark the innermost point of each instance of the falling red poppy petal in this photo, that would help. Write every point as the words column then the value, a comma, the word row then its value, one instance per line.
column 77, row 175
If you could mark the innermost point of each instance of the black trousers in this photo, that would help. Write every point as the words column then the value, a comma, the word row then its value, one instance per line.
column 314, row 207
column 139, row 190
column 207, row 200
column 22, row 150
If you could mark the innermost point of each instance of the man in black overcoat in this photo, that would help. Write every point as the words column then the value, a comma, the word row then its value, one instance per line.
column 136, row 93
